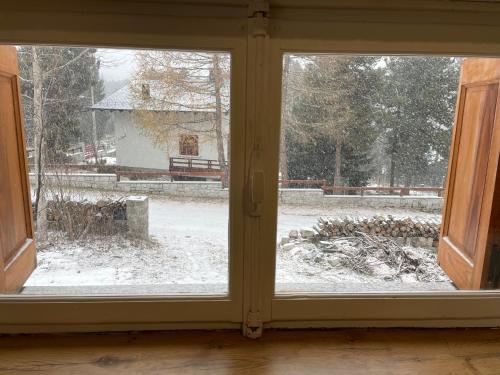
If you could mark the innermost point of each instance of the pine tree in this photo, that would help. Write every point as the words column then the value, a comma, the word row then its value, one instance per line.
column 418, row 103
column 52, row 82
column 333, row 128
column 67, row 75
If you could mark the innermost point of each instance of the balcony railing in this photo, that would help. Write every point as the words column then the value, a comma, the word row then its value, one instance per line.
column 194, row 165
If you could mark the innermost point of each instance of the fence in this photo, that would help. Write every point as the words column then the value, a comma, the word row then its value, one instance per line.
column 361, row 190
column 194, row 165
column 214, row 189
column 165, row 173
column 136, row 173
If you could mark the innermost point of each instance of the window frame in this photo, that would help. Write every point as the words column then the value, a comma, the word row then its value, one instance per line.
column 431, row 27
column 321, row 34
column 185, row 144
column 65, row 25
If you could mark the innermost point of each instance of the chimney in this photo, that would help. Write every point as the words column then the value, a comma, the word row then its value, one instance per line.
column 146, row 92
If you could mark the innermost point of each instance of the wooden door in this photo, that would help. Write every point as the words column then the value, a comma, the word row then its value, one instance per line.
column 17, row 247
column 465, row 245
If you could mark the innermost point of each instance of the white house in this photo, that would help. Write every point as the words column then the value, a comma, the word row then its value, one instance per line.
column 189, row 145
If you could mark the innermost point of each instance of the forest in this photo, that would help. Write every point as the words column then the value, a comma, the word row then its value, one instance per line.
column 360, row 120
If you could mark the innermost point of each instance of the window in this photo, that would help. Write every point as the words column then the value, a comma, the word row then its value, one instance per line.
column 325, row 240
column 363, row 164
column 365, row 143
column 109, row 193
column 236, row 231
column 188, row 145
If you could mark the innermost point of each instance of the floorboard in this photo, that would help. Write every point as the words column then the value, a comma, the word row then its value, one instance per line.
column 370, row 352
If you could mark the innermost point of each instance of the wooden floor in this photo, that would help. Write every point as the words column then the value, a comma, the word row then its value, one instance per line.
column 402, row 352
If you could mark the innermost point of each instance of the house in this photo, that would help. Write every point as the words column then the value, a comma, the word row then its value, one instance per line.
column 187, row 144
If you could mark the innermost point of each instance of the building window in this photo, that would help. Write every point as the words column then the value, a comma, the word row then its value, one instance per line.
column 188, row 145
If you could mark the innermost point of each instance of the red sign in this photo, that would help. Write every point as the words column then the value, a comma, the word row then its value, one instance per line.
column 88, row 152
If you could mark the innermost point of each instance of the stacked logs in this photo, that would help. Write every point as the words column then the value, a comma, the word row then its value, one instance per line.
column 385, row 226
column 79, row 218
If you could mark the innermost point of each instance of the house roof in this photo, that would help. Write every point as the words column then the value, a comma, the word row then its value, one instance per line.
column 127, row 99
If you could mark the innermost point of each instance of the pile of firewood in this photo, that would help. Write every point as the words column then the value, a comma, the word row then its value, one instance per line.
column 385, row 226
column 365, row 253
column 80, row 218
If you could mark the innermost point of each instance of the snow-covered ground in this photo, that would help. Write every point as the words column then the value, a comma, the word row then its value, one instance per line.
column 306, row 268
column 188, row 246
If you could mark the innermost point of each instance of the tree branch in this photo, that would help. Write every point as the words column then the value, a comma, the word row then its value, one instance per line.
column 60, row 67
column 25, row 79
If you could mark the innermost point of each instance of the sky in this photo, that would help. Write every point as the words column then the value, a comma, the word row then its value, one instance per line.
column 116, row 64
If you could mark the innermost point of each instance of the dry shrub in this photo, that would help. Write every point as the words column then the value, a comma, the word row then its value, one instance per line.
column 80, row 213
column 79, row 219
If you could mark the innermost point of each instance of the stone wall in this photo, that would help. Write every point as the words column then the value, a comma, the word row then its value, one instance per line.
column 79, row 180
column 190, row 189
column 212, row 189
column 423, row 203
column 301, row 196
column 315, row 197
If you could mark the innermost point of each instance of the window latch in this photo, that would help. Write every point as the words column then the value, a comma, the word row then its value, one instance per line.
column 256, row 193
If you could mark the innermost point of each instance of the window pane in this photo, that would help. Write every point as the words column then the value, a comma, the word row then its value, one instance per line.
column 129, row 169
column 364, row 156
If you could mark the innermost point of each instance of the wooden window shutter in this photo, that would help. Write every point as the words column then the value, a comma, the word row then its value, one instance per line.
column 17, row 246
column 470, row 227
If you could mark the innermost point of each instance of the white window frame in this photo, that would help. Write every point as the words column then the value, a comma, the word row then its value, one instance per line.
column 161, row 27
column 323, row 30
column 256, row 44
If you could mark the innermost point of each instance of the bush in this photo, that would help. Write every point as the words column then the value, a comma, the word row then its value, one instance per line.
column 103, row 168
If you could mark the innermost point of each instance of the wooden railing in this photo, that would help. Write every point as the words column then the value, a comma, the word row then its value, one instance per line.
column 194, row 165
column 323, row 184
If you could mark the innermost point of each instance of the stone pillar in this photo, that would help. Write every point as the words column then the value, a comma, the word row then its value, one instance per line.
column 138, row 216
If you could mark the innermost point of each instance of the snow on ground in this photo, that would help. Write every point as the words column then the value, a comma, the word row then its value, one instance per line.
column 356, row 260
column 109, row 160
column 189, row 245
column 303, row 266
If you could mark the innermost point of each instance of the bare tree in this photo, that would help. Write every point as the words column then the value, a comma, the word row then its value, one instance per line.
column 43, row 77
column 286, row 112
column 40, row 146
column 180, row 90
column 325, row 95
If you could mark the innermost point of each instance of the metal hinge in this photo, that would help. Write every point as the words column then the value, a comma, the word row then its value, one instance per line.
column 253, row 325
column 258, row 6
column 258, row 12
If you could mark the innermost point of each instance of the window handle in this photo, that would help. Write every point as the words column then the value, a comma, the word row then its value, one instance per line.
column 256, row 193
